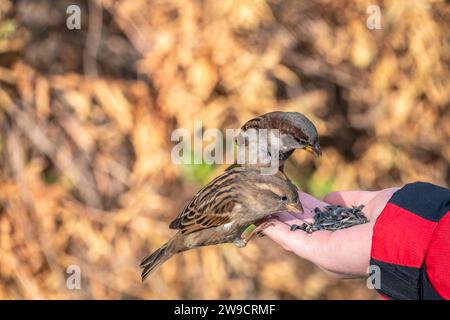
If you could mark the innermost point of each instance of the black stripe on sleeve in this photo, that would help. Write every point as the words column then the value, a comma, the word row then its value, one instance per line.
column 398, row 282
column 426, row 200
column 427, row 290
column 404, row 283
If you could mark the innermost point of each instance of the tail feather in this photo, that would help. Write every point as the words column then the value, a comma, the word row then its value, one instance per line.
column 157, row 258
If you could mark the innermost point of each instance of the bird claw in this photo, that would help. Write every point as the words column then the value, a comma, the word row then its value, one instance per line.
column 240, row 243
column 258, row 231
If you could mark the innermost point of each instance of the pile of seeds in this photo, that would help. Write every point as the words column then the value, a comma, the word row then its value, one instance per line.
column 333, row 218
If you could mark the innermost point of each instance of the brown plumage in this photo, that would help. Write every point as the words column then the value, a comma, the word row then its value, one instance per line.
column 296, row 132
column 241, row 196
column 223, row 209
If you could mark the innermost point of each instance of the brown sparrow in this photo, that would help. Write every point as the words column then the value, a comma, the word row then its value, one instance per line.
column 296, row 131
column 222, row 210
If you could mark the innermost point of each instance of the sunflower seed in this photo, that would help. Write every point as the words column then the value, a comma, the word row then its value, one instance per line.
column 334, row 218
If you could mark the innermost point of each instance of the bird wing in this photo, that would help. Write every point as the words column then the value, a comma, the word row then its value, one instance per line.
column 212, row 206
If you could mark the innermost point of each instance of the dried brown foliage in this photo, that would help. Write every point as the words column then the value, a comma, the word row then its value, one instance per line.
column 86, row 176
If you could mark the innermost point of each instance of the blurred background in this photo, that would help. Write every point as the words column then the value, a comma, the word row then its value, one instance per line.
column 86, row 116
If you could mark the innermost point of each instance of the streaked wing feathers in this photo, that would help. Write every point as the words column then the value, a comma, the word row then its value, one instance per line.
column 211, row 206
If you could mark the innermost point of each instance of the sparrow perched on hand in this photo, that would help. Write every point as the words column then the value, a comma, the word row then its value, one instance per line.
column 296, row 131
column 222, row 210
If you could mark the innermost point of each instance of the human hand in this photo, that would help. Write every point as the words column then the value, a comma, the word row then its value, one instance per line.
column 342, row 253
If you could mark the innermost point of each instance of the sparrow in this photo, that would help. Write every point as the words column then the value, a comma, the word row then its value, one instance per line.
column 222, row 210
column 296, row 131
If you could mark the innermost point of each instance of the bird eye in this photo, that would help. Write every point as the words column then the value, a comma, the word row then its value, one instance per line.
column 301, row 141
column 284, row 198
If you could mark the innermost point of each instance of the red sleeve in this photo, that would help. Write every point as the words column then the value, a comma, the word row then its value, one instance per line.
column 411, row 243
column 438, row 258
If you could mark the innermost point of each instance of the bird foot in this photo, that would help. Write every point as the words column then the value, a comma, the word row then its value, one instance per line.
column 240, row 243
column 258, row 231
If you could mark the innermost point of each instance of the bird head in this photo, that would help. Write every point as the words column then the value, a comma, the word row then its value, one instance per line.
column 296, row 131
column 307, row 142
column 273, row 194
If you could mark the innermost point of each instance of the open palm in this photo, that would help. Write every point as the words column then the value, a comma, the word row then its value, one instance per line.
column 343, row 253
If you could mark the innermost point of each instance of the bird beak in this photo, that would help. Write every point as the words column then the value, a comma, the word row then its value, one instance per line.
column 295, row 208
column 314, row 149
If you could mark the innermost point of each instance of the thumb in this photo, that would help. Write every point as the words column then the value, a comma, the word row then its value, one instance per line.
column 350, row 197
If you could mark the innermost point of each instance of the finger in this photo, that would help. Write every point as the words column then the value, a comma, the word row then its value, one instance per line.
column 291, row 219
column 350, row 197
column 309, row 203
column 376, row 206
column 281, row 233
column 307, row 246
